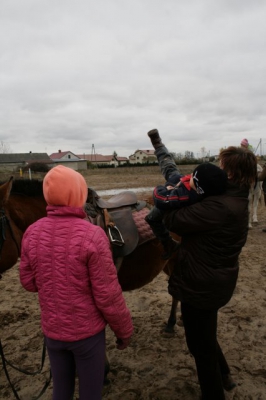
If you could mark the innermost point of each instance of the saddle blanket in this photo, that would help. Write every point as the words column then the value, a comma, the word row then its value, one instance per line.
column 144, row 229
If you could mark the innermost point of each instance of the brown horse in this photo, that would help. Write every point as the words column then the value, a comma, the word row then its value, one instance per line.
column 22, row 203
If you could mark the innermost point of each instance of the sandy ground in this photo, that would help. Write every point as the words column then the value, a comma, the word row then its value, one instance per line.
column 153, row 367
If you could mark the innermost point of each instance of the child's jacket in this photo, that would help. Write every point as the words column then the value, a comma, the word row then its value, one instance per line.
column 67, row 260
column 182, row 195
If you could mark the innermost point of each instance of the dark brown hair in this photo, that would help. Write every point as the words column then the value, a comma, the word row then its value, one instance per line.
column 240, row 165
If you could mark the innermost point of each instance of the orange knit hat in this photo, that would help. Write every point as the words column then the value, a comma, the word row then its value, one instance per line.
column 63, row 186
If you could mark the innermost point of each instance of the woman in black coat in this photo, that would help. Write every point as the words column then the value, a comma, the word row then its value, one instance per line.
column 213, row 233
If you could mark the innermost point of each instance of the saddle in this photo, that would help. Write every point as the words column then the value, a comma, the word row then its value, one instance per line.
column 115, row 216
column 126, row 198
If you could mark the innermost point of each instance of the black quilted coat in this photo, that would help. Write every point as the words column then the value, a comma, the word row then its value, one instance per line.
column 213, row 233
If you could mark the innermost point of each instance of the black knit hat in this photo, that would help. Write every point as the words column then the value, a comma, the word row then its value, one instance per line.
column 209, row 179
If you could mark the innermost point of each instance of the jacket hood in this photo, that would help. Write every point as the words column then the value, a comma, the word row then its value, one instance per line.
column 63, row 186
column 65, row 211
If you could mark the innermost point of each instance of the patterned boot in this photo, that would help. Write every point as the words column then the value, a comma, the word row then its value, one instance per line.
column 155, row 138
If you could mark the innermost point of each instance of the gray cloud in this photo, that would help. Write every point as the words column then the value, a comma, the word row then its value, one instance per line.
column 73, row 74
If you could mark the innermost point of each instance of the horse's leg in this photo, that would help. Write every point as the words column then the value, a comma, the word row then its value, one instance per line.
column 118, row 261
column 257, row 198
column 250, row 199
column 170, row 325
column 255, row 208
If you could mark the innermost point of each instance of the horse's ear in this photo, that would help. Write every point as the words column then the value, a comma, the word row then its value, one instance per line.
column 5, row 190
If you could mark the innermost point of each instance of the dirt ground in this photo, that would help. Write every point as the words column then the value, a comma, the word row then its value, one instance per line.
column 127, row 177
column 153, row 367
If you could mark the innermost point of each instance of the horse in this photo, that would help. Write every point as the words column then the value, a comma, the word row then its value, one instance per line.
column 22, row 203
column 253, row 200
column 264, row 190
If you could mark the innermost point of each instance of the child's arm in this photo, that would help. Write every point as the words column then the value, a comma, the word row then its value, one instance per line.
column 26, row 270
column 167, row 200
column 171, row 187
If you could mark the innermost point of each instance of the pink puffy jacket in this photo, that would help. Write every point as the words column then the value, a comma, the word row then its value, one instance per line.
column 67, row 260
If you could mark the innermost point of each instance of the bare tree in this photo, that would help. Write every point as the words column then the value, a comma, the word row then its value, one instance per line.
column 203, row 152
column 178, row 156
column 4, row 148
column 189, row 155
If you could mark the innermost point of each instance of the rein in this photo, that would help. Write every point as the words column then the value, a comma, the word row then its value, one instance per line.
column 4, row 223
column 2, row 229
column 6, row 362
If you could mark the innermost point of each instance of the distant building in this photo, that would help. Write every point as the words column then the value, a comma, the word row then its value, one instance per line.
column 122, row 160
column 99, row 159
column 14, row 161
column 63, row 156
column 143, row 156
column 69, row 159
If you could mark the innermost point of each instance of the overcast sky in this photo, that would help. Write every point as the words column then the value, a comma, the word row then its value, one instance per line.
column 74, row 74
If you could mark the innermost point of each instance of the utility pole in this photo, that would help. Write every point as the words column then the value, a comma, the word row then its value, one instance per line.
column 93, row 152
column 259, row 145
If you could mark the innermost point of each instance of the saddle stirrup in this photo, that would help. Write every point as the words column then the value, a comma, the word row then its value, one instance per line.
column 113, row 231
column 115, row 236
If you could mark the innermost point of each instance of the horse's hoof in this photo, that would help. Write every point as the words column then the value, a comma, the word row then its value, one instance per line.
column 167, row 331
column 167, row 334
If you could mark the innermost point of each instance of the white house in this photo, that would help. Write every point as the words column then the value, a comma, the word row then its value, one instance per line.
column 142, row 156
column 99, row 159
column 69, row 159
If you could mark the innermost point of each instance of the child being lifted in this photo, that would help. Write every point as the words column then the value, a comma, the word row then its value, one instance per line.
column 179, row 191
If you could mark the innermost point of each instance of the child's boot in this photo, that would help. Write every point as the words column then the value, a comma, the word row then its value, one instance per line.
column 155, row 138
column 170, row 247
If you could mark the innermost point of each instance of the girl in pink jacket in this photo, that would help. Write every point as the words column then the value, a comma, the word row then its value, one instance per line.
column 68, row 261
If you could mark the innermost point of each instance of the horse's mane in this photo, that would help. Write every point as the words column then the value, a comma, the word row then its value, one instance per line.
column 27, row 187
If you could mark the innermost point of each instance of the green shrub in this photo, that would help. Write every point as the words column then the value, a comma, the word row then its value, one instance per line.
column 36, row 167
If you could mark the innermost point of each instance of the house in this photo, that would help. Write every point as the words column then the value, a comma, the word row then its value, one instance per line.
column 69, row 159
column 143, row 156
column 13, row 162
column 99, row 159
column 122, row 160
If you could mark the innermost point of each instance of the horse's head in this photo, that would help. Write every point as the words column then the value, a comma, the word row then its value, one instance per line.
column 10, row 235
column 92, row 197
column 5, row 190
column 21, row 204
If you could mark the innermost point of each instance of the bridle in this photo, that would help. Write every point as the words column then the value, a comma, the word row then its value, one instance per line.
column 4, row 225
